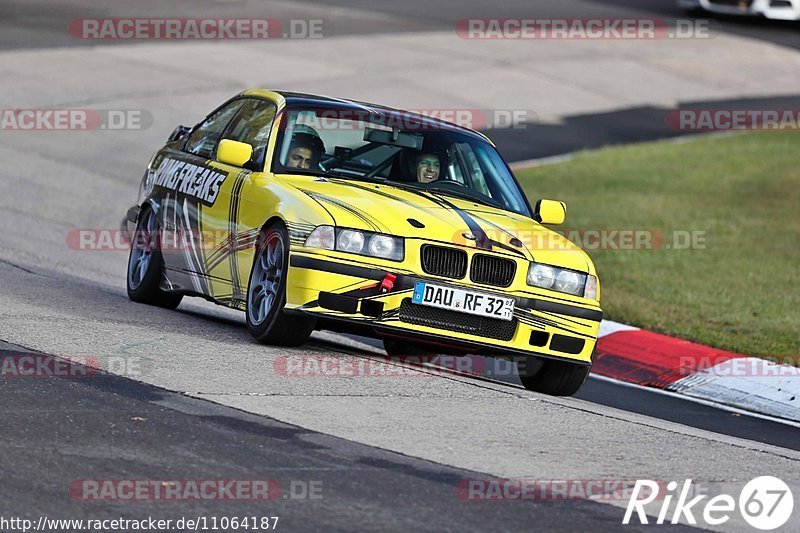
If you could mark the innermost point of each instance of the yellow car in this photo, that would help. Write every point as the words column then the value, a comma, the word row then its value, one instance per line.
column 310, row 213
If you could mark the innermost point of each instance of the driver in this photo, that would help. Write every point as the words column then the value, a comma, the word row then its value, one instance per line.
column 306, row 148
column 428, row 167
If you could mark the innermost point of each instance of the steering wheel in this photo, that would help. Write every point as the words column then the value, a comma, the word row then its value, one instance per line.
column 448, row 182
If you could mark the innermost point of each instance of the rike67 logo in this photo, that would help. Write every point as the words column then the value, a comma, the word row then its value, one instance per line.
column 765, row 503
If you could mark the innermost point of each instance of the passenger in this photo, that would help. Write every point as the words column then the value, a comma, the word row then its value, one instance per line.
column 428, row 167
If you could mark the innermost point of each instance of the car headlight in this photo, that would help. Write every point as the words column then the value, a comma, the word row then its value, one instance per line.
column 322, row 237
column 569, row 282
column 590, row 291
column 350, row 240
column 541, row 276
column 357, row 242
column 382, row 246
column 562, row 280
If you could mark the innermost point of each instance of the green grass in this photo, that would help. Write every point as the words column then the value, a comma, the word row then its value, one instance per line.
column 742, row 291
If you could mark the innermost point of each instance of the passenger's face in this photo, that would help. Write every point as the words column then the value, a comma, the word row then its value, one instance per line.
column 427, row 168
column 299, row 157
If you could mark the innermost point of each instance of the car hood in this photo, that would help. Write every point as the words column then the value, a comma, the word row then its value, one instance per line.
column 388, row 209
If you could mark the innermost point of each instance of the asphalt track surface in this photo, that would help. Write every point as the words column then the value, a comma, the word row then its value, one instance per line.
column 388, row 452
column 39, row 23
column 57, row 429
column 662, row 405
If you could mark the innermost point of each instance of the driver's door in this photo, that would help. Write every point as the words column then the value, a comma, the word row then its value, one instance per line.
column 228, row 245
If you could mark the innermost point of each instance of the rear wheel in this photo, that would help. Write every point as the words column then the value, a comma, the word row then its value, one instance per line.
column 266, row 294
column 145, row 265
column 557, row 378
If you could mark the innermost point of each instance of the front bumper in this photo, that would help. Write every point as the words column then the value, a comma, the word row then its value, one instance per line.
column 350, row 293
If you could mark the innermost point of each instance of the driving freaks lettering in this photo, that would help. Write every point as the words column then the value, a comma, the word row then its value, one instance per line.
column 200, row 182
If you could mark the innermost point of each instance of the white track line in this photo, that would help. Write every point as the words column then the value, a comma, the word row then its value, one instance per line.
column 709, row 403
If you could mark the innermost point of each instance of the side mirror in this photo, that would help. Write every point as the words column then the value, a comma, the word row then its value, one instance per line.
column 179, row 133
column 550, row 211
column 234, row 152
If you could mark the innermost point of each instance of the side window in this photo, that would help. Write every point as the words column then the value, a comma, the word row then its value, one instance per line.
column 253, row 125
column 203, row 141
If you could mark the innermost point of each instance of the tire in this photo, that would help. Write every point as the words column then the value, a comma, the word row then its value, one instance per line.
column 556, row 378
column 267, row 321
column 146, row 265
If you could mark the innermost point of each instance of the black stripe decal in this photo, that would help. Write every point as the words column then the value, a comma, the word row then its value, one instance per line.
column 495, row 226
column 373, row 223
column 385, row 194
column 482, row 240
column 595, row 315
column 233, row 225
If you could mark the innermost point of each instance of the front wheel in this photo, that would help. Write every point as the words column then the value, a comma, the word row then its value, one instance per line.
column 145, row 265
column 266, row 294
column 557, row 378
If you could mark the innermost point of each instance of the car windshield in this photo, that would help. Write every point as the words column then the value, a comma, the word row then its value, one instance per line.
column 405, row 151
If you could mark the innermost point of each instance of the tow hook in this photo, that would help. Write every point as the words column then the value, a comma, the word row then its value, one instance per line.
column 388, row 283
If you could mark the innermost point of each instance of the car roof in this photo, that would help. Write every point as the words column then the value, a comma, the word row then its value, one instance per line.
column 296, row 99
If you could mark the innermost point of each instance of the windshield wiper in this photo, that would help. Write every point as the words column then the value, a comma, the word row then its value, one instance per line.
column 465, row 196
column 302, row 172
column 322, row 174
column 400, row 185
column 339, row 175
column 407, row 186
